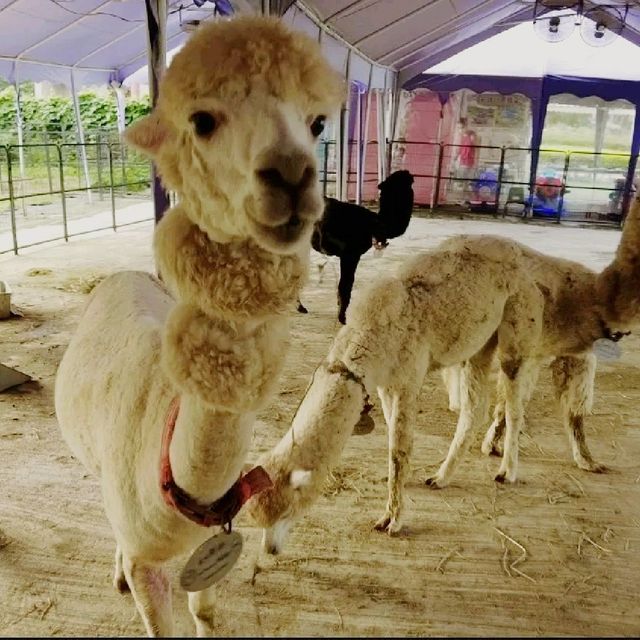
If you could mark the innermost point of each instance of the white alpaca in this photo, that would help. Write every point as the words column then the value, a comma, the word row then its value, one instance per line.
column 158, row 390
column 458, row 304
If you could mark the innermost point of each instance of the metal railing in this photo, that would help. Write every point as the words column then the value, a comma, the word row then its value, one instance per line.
column 47, row 194
column 574, row 186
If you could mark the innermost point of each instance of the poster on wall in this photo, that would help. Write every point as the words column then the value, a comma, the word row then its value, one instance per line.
column 479, row 116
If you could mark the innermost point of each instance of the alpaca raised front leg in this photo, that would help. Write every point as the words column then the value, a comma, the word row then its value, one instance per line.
column 573, row 378
column 151, row 590
column 473, row 407
column 348, row 266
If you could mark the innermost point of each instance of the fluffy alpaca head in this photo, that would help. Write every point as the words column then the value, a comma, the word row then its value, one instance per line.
column 234, row 131
column 402, row 179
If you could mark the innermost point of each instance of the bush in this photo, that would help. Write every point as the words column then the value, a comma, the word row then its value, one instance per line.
column 56, row 114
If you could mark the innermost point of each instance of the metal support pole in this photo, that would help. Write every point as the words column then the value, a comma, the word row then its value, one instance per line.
column 367, row 117
column 380, row 123
column 118, row 92
column 111, row 188
column 83, row 148
column 20, row 127
column 47, row 153
column 500, row 174
column 12, row 203
column 358, row 151
column 62, row 194
column 342, row 151
column 436, row 194
column 565, row 173
column 157, row 55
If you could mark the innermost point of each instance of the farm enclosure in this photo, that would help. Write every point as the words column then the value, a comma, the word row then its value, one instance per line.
column 451, row 572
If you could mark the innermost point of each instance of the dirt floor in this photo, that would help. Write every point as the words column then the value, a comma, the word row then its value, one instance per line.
column 556, row 554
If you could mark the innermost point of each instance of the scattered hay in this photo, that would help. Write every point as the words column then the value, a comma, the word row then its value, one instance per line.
column 39, row 271
column 446, row 557
column 585, row 538
column 511, row 567
column 81, row 284
column 342, row 480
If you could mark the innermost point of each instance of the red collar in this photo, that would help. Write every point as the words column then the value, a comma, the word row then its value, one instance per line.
column 224, row 509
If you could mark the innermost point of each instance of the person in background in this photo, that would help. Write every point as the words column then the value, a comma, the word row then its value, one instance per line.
column 467, row 157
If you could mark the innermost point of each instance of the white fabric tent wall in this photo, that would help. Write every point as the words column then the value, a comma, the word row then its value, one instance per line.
column 519, row 51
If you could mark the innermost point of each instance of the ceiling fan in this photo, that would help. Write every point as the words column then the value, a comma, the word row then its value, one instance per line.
column 556, row 20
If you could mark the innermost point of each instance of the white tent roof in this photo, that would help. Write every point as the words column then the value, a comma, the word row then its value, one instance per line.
column 520, row 52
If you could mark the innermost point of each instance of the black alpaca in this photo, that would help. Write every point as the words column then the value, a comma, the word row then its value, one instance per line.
column 349, row 230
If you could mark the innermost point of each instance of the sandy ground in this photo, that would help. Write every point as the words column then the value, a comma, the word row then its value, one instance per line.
column 447, row 574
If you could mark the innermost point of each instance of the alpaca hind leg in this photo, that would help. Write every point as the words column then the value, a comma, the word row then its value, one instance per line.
column 451, row 379
column 516, row 384
column 151, row 591
column 202, row 608
column 474, row 376
column 495, row 432
column 573, row 378
column 491, row 442
column 119, row 579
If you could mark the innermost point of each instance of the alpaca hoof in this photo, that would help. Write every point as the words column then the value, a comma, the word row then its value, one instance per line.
column 364, row 426
column 121, row 585
column 502, row 478
column 342, row 319
column 594, row 467
column 388, row 524
column 302, row 308
column 435, row 483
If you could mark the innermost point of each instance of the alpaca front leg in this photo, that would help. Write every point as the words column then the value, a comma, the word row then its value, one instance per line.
column 473, row 407
column 119, row 579
column 151, row 591
column 399, row 412
column 574, row 378
column 516, row 384
column 348, row 266
column 202, row 608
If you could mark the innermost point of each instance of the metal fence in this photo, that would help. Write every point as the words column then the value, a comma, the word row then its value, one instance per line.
column 56, row 190
column 573, row 186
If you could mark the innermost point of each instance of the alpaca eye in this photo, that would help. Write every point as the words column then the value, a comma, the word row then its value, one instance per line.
column 204, row 123
column 317, row 126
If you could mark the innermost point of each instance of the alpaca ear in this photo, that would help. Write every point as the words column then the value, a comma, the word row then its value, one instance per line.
column 147, row 134
column 300, row 478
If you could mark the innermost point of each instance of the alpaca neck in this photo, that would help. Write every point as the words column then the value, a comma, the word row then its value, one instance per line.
column 618, row 284
column 394, row 216
column 208, row 448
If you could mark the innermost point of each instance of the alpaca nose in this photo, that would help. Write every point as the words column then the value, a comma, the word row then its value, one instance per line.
column 290, row 173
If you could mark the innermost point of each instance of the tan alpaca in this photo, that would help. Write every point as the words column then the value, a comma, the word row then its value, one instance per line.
column 234, row 134
column 470, row 298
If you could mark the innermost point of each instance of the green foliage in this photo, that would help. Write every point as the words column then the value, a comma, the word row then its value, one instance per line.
column 56, row 114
